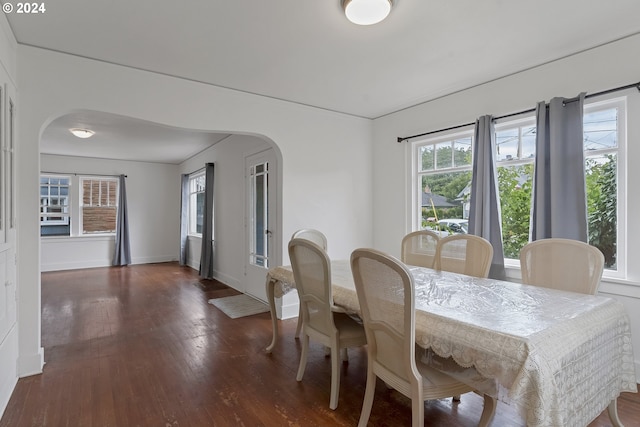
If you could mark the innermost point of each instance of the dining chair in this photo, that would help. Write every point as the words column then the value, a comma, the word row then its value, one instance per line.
column 321, row 319
column 386, row 294
column 319, row 239
column 312, row 235
column 564, row 264
column 464, row 254
column 419, row 248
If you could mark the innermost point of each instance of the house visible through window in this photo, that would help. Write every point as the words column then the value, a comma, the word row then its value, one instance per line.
column 442, row 171
column 196, row 203
column 54, row 206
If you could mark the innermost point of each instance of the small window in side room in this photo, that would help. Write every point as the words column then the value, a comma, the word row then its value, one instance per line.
column 196, row 203
column 54, row 206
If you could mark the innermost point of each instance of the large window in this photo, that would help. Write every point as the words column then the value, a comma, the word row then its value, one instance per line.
column 442, row 180
column 196, row 203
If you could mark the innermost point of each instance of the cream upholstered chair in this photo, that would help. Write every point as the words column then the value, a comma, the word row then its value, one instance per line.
column 321, row 320
column 465, row 254
column 565, row 264
column 387, row 304
column 419, row 248
column 313, row 235
column 319, row 239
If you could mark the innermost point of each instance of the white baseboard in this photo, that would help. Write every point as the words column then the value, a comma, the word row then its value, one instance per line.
column 95, row 263
column 288, row 306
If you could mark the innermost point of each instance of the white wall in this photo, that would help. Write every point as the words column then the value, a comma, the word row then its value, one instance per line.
column 606, row 67
column 153, row 207
column 320, row 151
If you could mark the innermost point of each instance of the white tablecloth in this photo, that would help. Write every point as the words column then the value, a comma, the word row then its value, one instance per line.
column 561, row 357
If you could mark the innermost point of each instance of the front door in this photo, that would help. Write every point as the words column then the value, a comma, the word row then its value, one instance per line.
column 260, row 223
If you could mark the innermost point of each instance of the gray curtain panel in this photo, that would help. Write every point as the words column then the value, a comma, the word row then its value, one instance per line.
column 206, row 255
column 184, row 219
column 559, row 206
column 122, row 253
column 485, row 219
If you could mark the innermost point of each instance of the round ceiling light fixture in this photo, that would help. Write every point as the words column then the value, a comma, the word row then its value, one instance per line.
column 82, row 133
column 366, row 12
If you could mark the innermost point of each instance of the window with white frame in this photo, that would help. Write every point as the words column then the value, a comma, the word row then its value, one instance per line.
column 99, row 206
column 72, row 205
column 196, row 203
column 441, row 180
column 54, row 205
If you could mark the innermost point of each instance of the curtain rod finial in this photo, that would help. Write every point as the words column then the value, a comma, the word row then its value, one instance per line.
column 400, row 139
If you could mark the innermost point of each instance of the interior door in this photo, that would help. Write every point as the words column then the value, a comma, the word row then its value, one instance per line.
column 260, row 222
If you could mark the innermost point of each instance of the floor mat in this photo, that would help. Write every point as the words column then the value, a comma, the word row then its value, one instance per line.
column 239, row 305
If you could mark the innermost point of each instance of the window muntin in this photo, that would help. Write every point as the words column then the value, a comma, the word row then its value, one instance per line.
column 54, row 205
column 453, row 153
column 99, row 205
column 516, row 142
column 604, row 124
column 196, row 203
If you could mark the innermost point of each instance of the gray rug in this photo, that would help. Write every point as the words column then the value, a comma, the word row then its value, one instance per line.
column 239, row 305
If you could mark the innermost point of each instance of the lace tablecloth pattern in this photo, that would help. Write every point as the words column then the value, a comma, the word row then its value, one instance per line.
column 561, row 357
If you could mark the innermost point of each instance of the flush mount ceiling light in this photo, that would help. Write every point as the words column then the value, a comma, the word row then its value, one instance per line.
column 366, row 12
column 82, row 133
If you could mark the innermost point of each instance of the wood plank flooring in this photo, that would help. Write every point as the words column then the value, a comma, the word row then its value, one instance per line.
column 140, row 346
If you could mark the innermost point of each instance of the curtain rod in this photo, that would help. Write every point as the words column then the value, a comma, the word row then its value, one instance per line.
column 76, row 174
column 530, row 110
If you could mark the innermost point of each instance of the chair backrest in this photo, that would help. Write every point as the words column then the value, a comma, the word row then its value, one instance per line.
column 312, row 274
column 419, row 248
column 465, row 254
column 387, row 307
column 564, row 264
column 312, row 235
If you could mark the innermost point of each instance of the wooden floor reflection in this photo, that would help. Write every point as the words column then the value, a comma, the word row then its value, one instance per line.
column 140, row 346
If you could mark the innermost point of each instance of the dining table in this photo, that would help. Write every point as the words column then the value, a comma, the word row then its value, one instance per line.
column 559, row 357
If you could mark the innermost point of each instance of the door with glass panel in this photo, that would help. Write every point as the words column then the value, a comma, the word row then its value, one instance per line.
column 260, row 223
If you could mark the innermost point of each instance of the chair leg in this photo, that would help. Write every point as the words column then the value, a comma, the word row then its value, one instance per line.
column 369, row 393
column 299, row 325
column 613, row 413
column 417, row 409
column 488, row 411
column 303, row 357
column 344, row 354
column 335, row 377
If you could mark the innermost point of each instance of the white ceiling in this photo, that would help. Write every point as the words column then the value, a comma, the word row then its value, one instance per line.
column 124, row 138
column 307, row 52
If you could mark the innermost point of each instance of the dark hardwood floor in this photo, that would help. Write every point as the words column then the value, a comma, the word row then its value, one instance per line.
column 140, row 346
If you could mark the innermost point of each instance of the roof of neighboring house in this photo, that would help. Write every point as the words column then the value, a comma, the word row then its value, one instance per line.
column 438, row 201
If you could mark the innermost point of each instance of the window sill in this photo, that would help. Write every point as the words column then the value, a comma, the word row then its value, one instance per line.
column 608, row 285
column 68, row 239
